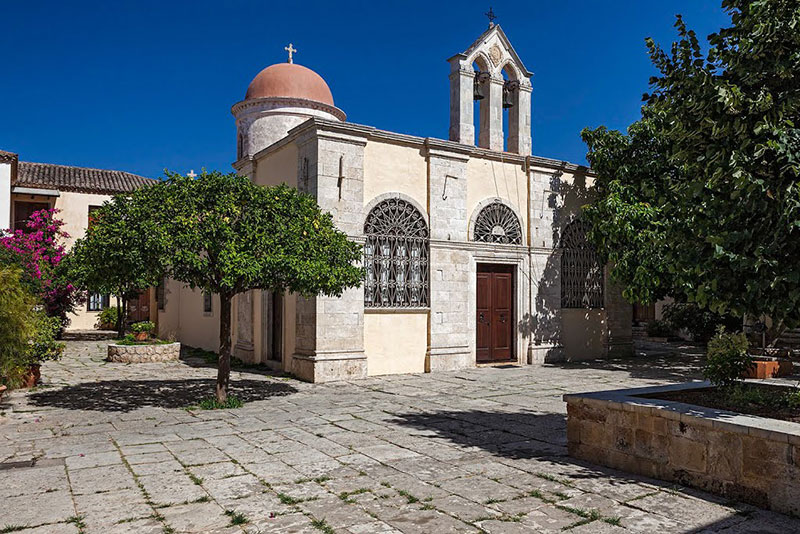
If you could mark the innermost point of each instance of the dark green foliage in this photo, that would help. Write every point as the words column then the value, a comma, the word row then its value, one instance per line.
column 741, row 397
column 227, row 235
column 659, row 329
column 237, row 518
column 701, row 198
column 17, row 325
column 43, row 345
column 108, row 317
column 727, row 359
column 124, row 251
column 143, row 326
column 700, row 323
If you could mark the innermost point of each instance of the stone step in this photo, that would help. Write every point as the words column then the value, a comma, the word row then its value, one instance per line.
column 88, row 335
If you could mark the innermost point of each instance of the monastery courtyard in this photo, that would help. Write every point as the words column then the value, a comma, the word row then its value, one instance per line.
column 112, row 448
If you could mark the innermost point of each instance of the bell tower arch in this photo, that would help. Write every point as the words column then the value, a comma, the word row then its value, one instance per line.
column 491, row 71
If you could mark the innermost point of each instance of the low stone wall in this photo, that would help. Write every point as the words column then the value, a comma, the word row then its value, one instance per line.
column 166, row 352
column 746, row 458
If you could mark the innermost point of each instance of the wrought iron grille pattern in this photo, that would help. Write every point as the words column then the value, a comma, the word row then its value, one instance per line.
column 396, row 256
column 581, row 270
column 497, row 223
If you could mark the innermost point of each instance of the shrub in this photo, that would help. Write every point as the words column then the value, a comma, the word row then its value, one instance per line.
column 658, row 329
column 43, row 345
column 143, row 326
column 700, row 323
column 17, row 325
column 107, row 318
column 727, row 359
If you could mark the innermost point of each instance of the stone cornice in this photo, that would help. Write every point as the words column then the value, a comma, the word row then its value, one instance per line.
column 349, row 132
column 285, row 102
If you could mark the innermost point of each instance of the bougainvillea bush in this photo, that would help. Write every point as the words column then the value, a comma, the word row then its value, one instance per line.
column 39, row 250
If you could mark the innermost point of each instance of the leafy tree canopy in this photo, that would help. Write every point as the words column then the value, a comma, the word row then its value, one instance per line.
column 226, row 235
column 701, row 198
column 123, row 252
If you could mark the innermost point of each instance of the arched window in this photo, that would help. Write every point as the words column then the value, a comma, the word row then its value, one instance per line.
column 581, row 270
column 497, row 223
column 396, row 256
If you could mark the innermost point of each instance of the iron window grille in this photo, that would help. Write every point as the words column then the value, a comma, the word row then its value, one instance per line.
column 582, row 283
column 207, row 302
column 497, row 223
column 396, row 253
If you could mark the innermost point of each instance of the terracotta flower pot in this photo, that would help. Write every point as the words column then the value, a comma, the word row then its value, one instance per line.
column 769, row 368
column 141, row 336
column 33, row 376
column 2, row 391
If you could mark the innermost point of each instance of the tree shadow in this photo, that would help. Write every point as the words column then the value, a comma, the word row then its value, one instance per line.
column 542, row 436
column 129, row 395
column 514, row 435
column 674, row 362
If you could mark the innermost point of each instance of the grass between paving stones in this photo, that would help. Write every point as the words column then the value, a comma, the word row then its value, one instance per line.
column 588, row 516
column 323, row 526
column 11, row 528
column 211, row 403
column 237, row 518
column 345, row 495
column 194, row 478
column 77, row 520
column 291, row 501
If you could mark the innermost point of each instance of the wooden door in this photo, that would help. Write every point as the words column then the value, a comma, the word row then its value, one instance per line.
column 139, row 308
column 495, row 313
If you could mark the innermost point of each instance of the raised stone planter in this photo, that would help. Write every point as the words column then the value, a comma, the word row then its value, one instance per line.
column 166, row 352
column 741, row 457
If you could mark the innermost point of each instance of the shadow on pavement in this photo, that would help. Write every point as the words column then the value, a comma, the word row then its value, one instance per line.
column 128, row 395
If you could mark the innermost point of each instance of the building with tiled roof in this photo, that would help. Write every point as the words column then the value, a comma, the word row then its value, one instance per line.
column 84, row 179
column 26, row 187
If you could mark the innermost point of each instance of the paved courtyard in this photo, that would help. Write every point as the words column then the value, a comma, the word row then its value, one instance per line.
column 112, row 448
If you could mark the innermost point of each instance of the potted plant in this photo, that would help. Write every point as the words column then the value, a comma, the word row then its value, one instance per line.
column 42, row 347
column 107, row 318
column 141, row 330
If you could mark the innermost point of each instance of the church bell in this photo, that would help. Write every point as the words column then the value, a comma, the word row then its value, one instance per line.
column 479, row 85
column 508, row 93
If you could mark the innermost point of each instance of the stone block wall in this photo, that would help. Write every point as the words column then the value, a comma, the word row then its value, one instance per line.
column 747, row 459
column 165, row 352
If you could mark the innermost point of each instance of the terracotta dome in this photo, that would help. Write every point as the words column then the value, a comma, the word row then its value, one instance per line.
column 289, row 80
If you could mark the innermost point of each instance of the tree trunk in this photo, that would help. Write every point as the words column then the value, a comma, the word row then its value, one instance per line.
column 121, row 307
column 224, row 364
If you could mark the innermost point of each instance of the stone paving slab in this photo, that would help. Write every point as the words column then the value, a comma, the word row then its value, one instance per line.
column 115, row 449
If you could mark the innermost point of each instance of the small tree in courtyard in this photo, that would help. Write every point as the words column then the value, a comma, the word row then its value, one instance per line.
column 701, row 198
column 123, row 252
column 227, row 236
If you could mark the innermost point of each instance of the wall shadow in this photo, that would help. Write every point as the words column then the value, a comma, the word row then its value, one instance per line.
column 129, row 395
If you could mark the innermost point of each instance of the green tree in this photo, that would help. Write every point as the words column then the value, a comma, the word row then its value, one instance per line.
column 17, row 325
column 123, row 252
column 701, row 198
column 228, row 236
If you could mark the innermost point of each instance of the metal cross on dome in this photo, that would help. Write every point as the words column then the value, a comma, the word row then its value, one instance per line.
column 191, row 174
column 491, row 16
column 291, row 51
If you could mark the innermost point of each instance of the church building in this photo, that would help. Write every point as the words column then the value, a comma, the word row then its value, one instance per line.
column 474, row 250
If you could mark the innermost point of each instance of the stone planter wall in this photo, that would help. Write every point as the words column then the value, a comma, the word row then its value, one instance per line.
column 741, row 457
column 166, row 352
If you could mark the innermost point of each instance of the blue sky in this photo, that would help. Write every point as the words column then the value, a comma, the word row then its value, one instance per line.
column 147, row 85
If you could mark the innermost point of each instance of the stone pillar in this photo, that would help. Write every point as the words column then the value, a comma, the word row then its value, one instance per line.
column 619, row 318
column 462, row 127
column 330, row 330
column 244, row 349
column 519, row 121
column 546, row 317
column 491, row 108
column 449, row 323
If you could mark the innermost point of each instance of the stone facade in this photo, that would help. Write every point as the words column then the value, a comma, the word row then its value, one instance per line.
column 746, row 458
column 165, row 352
column 351, row 169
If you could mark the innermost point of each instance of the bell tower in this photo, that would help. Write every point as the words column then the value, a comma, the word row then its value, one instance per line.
column 491, row 72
